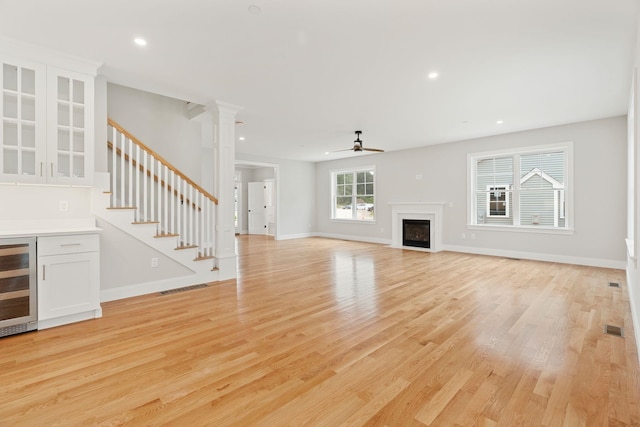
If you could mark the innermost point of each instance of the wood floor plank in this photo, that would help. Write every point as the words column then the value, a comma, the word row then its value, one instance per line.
column 328, row 332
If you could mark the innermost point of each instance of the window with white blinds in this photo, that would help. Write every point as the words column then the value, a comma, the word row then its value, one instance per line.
column 527, row 188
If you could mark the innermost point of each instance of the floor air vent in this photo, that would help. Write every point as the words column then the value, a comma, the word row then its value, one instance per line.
column 614, row 284
column 614, row 330
column 186, row 288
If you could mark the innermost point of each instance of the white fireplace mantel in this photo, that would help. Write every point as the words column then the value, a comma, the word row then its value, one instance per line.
column 432, row 211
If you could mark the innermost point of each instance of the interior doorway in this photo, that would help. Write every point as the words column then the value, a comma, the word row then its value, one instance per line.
column 263, row 178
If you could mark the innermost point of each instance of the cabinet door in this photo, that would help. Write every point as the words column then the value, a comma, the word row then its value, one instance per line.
column 67, row 284
column 70, row 134
column 22, row 121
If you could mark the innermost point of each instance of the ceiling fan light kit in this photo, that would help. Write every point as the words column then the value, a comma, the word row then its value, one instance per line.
column 357, row 145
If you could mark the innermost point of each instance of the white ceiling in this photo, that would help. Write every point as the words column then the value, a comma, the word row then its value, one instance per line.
column 309, row 73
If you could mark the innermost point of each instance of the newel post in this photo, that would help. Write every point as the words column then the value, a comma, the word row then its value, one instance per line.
column 224, row 119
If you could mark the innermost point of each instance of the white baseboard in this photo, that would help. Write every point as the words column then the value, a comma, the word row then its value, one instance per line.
column 294, row 236
column 129, row 291
column 591, row 262
column 354, row 238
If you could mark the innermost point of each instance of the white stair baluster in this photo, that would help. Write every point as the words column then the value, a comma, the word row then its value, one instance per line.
column 122, row 171
column 137, row 186
column 130, row 178
column 145, row 184
column 166, row 200
column 157, row 179
column 114, row 167
column 191, row 216
column 179, row 210
column 209, row 227
column 152, row 193
column 173, row 202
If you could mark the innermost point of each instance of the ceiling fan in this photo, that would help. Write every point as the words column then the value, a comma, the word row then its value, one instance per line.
column 357, row 145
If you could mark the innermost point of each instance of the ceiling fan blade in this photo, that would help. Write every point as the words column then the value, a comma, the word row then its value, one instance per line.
column 373, row 149
column 337, row 151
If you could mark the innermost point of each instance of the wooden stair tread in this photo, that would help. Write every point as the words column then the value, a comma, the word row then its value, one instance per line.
column 202, row 258
column 215, row 269
column 166, row 235
column 107, row 192
column 145, row 222
column 179, row 248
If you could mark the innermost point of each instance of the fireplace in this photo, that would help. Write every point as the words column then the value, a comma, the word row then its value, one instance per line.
column 416, row 233
column 421, row 211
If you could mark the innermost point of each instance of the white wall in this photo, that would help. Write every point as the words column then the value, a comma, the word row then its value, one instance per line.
column 126, row 261
column 295, row 195
column 161, row 123
column 600, row 197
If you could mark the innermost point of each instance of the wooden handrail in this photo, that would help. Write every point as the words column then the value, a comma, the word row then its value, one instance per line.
column 162, row 160
column 181, row 196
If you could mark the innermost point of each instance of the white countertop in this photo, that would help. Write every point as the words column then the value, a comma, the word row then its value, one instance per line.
column 30, row 228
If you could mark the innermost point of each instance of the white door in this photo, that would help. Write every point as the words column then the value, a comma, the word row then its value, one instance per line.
column 256, row 208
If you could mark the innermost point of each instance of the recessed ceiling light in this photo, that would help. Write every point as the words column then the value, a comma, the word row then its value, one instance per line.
column 140, row 41
column 326, row 152
column 433, row 75
column 499, row 122
column 239, row 122
column 241, row 138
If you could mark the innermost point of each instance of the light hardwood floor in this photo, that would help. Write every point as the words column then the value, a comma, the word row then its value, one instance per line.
column 329, row 332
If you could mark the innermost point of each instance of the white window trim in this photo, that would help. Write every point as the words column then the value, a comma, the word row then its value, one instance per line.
column 473, row 158
column 332, row 175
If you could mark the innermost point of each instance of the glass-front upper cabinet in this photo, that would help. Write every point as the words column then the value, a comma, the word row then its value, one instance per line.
column 70, row 146
column 22, row 122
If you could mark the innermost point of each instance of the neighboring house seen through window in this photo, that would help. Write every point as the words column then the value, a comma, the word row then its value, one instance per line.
column 353, row 194
column 525, row 188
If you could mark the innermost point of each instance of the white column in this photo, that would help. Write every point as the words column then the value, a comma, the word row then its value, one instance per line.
column 224, row 119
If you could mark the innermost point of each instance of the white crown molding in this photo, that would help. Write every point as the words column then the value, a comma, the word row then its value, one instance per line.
column 31, row 52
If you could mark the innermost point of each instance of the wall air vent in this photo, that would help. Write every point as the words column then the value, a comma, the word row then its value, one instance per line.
column 614, row 284
column 186, row 288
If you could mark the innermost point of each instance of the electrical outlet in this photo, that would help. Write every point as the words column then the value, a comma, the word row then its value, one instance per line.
column 154, row 262
column 63, row 206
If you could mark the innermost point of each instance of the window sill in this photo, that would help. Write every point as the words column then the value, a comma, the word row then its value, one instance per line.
column 521, row 229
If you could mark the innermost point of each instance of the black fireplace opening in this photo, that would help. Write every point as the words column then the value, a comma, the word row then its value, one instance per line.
column 416, row 233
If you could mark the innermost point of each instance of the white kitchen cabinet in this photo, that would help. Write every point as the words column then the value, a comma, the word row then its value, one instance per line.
column 47, row 124
column 22, row 121
column 68, row 279
column 70, row 127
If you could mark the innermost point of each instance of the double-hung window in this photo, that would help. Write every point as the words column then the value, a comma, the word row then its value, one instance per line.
column 353, row 194
column 524, row 188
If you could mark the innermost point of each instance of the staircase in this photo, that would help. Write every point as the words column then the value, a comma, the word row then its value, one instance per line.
column 157, row 204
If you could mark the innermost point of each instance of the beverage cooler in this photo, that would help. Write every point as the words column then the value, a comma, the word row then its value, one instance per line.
column 18, row 300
